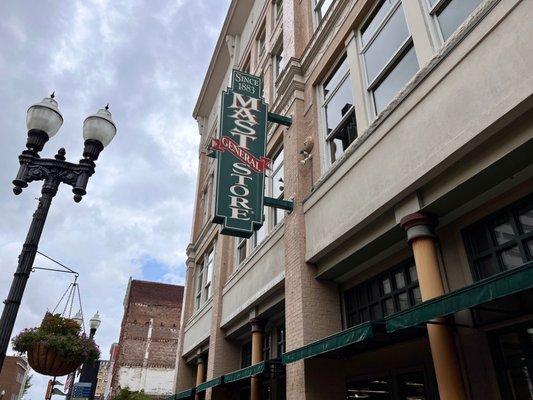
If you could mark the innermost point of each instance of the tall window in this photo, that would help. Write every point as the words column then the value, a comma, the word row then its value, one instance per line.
column 208, row 270
column 322, row 7
column 267, row 344
column 341, row 129
column 246, row 65
column 199, row 280
column 276, row 186
column 280, row 340
column 261, row 43
column 388, row 52
column 449, row 14
column 241, row 250
column 393, row 291
column 501, row 241
column 278, row 58
column 278, row 9
column 246, row 355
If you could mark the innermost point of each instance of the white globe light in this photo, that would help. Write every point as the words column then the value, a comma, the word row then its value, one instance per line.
column 95, row 321
column 44, row 116
column 100, row 127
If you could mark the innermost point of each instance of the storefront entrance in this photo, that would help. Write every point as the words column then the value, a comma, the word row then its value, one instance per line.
column 513, row 358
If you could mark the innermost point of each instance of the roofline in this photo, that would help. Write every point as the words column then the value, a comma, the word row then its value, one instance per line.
column 220, row 43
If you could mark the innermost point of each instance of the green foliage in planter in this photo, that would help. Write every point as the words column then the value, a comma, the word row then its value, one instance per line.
column 127, row 394
column 61, row 335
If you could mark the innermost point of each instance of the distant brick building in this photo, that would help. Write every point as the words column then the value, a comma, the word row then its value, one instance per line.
column 148, row 339
column 13, row 377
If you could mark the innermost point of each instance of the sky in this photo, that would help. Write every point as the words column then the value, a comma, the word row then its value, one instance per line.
column 147, row 59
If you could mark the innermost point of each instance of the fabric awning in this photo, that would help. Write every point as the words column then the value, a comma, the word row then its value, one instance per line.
column 186, row 394
column 209, row 384
column 244, row 373
column 336, row 341
column 483, row 291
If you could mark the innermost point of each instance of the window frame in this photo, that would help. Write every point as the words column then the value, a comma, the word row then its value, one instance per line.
column 433, row 10
column 353, row 307
column 199, row 276
column 325, row 100
column 260, row 42
column 317, row 4
column 391, row 63
column 278, row 10
column 246, row 354
column 273, row 217
column 208, row 267
column 281, row 335
column 520, row 237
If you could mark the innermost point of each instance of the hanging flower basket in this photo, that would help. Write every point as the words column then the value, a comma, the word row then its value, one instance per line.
column 56, row 348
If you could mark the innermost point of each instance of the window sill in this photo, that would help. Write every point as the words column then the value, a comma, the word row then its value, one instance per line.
column 204, row 308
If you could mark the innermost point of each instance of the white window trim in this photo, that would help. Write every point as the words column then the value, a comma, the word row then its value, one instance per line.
column 370, row 86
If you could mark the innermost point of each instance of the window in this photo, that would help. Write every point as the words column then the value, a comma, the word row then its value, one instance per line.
column 278, row 58
column 276, row 186
column 261, row 42
column 246, row 355
column 321, row 8
column 449, row 14
column 341, row 129
column 280, row 340
column 246, row 65
column 267, row 339
column 278, row 9
column 386, row 294
column 241, row 250
column 388, row 52
column 208, row 270
column 390, row 386
column 199, row 279
column 501, row 241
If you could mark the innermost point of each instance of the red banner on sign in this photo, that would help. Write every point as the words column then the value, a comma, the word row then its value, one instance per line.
column 226, row 143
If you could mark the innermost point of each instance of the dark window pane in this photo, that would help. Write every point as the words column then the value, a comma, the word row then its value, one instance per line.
column 336, row 76
column 453, row 15
column 399, row 278
column 371, row 26
column 529, row 245
column 396, row 79
column 503, row 230
column 526, row 220
column 369, row 389
column 480, row 240
column 412, row 386
column 364, row 315
column 511, row 258
column 362, row 297
column 417, row 296
column 375, row 293
column 375, row 312
column 386, row 286
column 487, row 267
column 386, row 44
column 403, row 301
column 388, row 306
column 412, row 274
column 339, row 105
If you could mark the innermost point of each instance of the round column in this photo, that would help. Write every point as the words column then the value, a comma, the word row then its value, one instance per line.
column 420, row 229
column 257, row 356
column 200, row 373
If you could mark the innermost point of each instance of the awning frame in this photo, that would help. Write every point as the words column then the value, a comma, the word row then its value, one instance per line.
column 202, row 387
column 186, row 394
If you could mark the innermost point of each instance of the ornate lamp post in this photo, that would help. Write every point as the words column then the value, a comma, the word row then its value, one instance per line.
column 94, row 324
column 43, row 121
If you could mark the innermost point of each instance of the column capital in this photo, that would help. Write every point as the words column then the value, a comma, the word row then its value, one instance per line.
column 257, row 324
column 200, row 360
column 418, row 225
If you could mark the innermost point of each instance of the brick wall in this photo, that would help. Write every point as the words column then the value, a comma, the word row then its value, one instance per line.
column 12, row 376
column 149, row 335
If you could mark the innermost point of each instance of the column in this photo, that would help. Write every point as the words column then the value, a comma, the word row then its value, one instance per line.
column 420, row 230
column 257, row 356
column 200, row 373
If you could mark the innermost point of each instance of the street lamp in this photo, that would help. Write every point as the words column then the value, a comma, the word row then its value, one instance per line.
column 43, row 120
column 94, row 323
column 78, row 318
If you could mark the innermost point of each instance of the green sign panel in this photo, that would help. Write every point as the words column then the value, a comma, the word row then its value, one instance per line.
column 241, row 148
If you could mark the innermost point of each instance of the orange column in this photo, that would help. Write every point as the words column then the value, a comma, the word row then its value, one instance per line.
column 420, row 233
column 257, row 356
column 200, row 373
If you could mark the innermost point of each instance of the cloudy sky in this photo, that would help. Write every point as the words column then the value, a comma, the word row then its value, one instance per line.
column 147, row 59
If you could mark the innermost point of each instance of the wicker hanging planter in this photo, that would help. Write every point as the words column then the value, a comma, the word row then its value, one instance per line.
column 57, row 347
column 46, row 361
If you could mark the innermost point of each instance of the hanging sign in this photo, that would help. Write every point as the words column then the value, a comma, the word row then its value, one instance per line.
column 241, row 160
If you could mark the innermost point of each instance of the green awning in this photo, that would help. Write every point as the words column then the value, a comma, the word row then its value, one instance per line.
column 202, row 387
column 336, row 341
column 244, row 373
column 186, row 394
column 483, row 291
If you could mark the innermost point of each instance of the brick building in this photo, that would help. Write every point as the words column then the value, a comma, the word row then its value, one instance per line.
column 146, row 351
column 405, row 269
column 13, row 377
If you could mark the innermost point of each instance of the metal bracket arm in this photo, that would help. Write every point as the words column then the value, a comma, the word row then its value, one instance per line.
column 279, row 203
